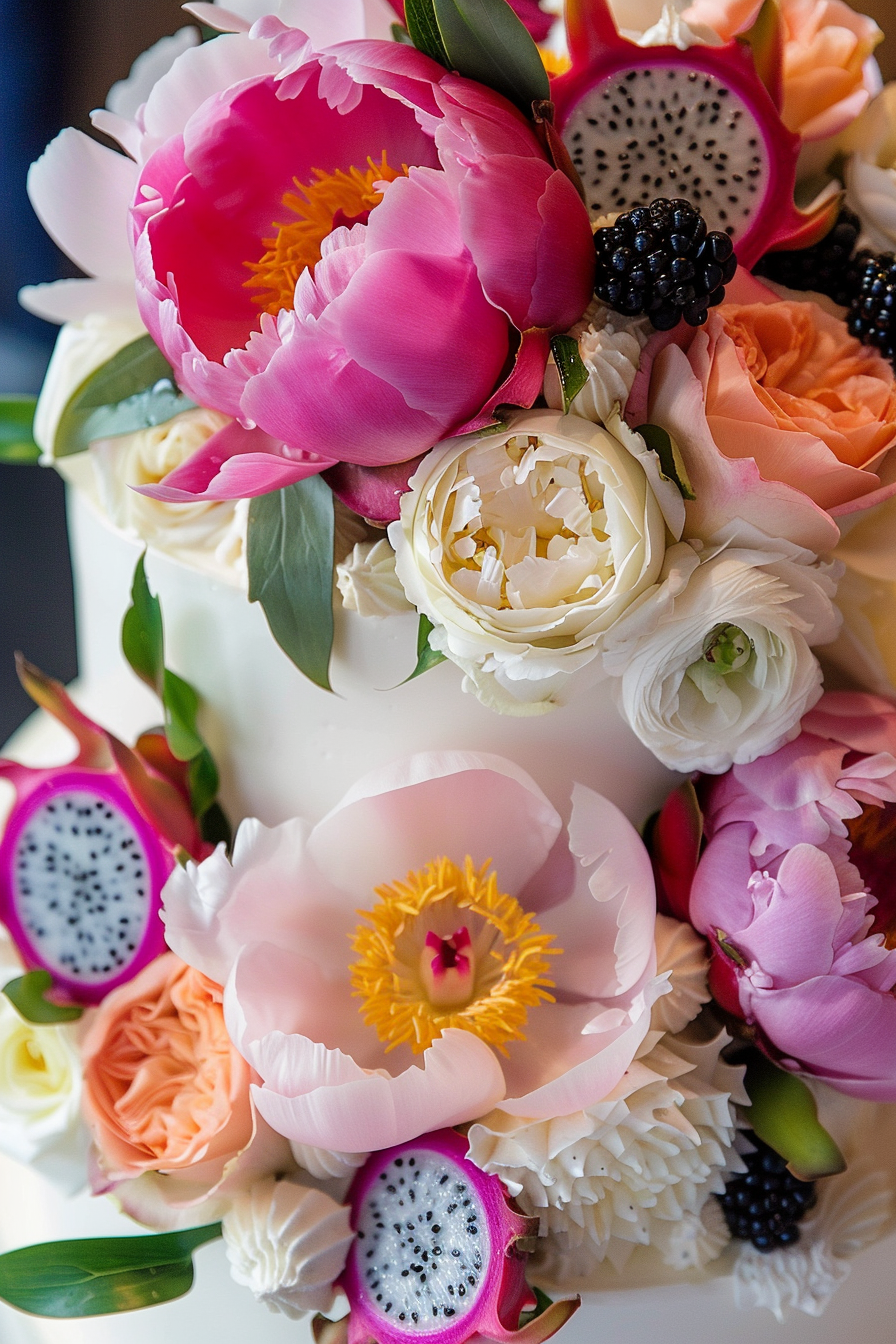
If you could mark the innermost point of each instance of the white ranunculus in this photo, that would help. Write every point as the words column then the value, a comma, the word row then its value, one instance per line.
column 81, row 348
column 524, row 547
column 287, row 1243
column 367, row 581
column 210, row 533
column 40, row 1090
column 715, row 667
column 610, row 347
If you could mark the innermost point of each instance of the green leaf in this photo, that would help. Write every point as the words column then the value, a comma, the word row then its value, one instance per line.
column 26, row 994
column 671, row 462
column 427, row 657
column 204, row 782
column 570, row 368
column 101, row 1275
column 290, row 556
column 784, row 1115
column 142, row 639
column 214, row 826
column 16, row 438
column 423, row 30
column 134, row 390
column 485, row 40
column 400, row 34
column 181, row 702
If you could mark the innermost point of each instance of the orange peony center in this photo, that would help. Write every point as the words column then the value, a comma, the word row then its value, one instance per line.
column 318, row 207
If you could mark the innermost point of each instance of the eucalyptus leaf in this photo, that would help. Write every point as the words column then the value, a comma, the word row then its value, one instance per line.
column 26, row 994
column 423, row 30
column 784, row 1115
column 17, row 444
column 101, row 1275
column 290, row 557
column 570, row 368
column 427, row 656
column 671, row 462
column 133, row 390
column 486, row 41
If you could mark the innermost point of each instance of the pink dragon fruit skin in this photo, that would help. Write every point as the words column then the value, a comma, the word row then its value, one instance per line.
column 461, row 1271
column 86, row 850
column 747, row 185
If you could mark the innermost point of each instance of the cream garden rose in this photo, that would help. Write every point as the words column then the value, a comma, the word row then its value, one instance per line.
column 524, row 547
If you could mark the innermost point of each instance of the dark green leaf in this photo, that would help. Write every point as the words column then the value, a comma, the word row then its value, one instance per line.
column 215, row 827
column 16, row 438
column 570, row 368
column 784, row 1115
column 26, row 994
column 485, row 40
column 203, row 779
column 542, row 1302
column 423, row 30
column 142, row 640
column 426, row 657
column 290, row 556
column 134, row 390
column 671, row 462
column 101, row 1275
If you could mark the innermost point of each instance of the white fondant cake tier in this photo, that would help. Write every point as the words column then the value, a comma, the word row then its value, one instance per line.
column 287, row 748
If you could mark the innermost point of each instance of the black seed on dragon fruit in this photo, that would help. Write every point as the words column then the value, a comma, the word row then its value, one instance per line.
column 700, row 124
column 436, row 1254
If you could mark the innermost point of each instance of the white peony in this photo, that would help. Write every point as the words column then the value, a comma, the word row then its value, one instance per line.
column 367, row 581
column 524, row 547
column 40, row 1090
column 211, row 534
column 81, row 348
column 288, row 1243
column 604, row 1180
column 715, row 668
column 610, row 347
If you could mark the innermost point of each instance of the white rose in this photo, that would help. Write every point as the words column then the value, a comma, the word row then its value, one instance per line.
column 715, row 667
column 368, row 583
column 524, row 547
column 81, row 348
column 610, row 347
column 211, row 533
column 40, row 1090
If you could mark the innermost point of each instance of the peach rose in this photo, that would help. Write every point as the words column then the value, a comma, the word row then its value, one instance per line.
column 164, row 1089
column 781, row 388
column 829, row 73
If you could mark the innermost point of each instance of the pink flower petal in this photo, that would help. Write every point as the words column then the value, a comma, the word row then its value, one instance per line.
column 792, row 939
column 235, row 463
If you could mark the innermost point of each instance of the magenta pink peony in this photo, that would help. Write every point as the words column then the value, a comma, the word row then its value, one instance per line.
column 795, row 892
column 354, row 257
column 433, row 947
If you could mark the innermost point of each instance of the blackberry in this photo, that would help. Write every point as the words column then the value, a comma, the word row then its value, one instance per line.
column 827, row 267
column 765, row 1205
column 659, row 259
column 872, row 313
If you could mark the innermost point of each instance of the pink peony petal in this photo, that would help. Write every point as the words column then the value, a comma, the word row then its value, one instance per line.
column 235, row 463
column 792, row 938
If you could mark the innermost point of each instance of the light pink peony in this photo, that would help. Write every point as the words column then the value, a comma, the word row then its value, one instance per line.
column 341, row 319
column 782, row 417
column 795, row 891
column 368, row 1029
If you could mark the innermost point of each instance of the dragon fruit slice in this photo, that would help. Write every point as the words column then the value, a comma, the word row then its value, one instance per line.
column 436, row 1253
column 643, row 122
column 86, row 850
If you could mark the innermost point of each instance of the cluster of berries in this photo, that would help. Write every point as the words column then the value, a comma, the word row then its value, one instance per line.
column 765, row 1205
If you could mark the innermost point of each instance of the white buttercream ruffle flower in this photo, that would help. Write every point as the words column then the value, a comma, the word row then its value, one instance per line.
column 716, row 668
column 524, row 547
column 40, row 1090
column 367, row 581
column 683, row 953
column 871, row 172
column 287, row 1243
column 610, row 347
column 210, row 534
column 611, row 1177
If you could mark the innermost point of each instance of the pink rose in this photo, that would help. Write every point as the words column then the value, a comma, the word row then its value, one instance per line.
column 775, row 401
column 349, row 259
column 795, row 892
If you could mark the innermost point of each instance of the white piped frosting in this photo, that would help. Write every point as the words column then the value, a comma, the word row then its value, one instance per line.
column 288, row 1243
column 610, row 347
column 682, row 952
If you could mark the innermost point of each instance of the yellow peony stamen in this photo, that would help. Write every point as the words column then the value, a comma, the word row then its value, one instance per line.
column 507, row 958
column 346, row 196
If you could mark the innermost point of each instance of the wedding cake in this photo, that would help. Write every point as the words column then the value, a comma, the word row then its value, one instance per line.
column 479, row 430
